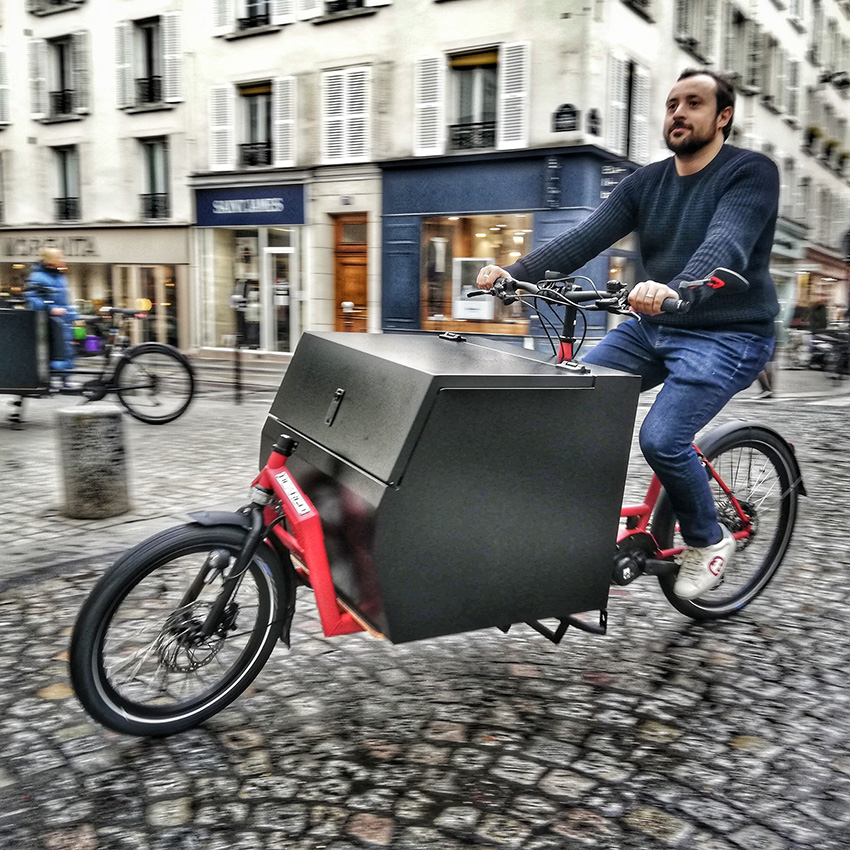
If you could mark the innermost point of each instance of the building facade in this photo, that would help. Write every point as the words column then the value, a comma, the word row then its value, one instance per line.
column 349, row 164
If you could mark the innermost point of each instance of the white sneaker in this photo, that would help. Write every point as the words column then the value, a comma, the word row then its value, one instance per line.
column 701, row 570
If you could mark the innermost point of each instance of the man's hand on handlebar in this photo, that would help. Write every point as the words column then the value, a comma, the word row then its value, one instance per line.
column 488, row 276
column 648, row 296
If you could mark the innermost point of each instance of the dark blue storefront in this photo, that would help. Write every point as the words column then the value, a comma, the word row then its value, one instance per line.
column 551, row 190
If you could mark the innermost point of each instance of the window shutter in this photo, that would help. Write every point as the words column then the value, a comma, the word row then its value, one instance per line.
column 730, row 40
column 429, row 123
column 172, row 57
column 357, row 98
column 221, row 129
column 514, row 66
column 38, row 77
column 222, row 11
column 5, row 111
column 709, row 30
column 792, row 88
column 310, row 9
column 283, row 11
column 755, row 51
column 283, row 121
column 80, row 77
column 639, row 152
column 333, row 114
column 684, row 22
column 618, row 95
column 124, row 64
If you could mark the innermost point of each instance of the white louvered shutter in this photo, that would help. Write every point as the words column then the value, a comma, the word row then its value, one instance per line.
column 283, row 121
column 357, row 114
column 429, row 123
column 755, row 54
column 222, row 12
column 333, row 116
column 37, row 49
column 684, row 22
column 514, row 72
column 615, row 134
column 730, row 41
column 124, row 94
column 708, row 42
column 5, row 110
column 80, row 74
column 283, row 11
column 221, row 128
column 310, row 9
column 172, row 58
column 639, row 142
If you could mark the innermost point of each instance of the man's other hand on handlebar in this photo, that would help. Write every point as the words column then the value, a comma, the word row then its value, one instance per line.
column 648, row 296
column 488, row 276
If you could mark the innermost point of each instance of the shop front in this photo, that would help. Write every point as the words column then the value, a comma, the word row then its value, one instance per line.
column 248, row 250
column 118, row 266
column 824, row 282
column 444, row 219
column 785, row 268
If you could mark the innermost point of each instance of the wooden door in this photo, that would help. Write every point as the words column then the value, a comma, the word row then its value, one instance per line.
column 350, row 273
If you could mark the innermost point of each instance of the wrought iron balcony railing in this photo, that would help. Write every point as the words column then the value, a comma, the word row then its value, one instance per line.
column 61, row 103
column 255, row 153
column 149, row 90
column 155, row 205
column 333, row 6
column 258, row 19
column 67, row 209
column 464, row 137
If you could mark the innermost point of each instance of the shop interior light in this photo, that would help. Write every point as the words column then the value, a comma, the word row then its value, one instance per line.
column 480, row 235
column 454, row 218
column 519, row 238
column 515, row 254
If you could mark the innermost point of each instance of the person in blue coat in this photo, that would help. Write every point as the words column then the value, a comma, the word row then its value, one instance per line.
column 47, row 289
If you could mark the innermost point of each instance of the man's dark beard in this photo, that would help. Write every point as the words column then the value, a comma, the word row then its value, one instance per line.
column 688, row 147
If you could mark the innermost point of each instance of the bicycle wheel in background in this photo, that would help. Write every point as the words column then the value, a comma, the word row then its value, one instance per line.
column 155, row 382
column 759, row 468
column 139, row 661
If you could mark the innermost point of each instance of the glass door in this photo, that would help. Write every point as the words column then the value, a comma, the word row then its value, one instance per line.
column 280, row 300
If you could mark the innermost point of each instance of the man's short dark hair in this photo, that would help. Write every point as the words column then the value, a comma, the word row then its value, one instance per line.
column 725, row 92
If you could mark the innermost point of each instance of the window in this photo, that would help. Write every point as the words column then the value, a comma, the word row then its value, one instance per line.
column 148, row 60
column 346, row 115
column 256, row 13
column 486, row 100
column 5, row 113
column 266, row 132
column 244, row 16
column 48, row 7
column 792, row 88
column 67, row 200
column 742, row 48
column 155, row 201
column 628, row 109
column 59, row 76
column 773, row 75
column 696, row 27
column 817, row 33
column 788, row 188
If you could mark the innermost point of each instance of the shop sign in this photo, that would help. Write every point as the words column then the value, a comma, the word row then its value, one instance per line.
column 249, row 205
column 73, row 247
column 611, row 176
column 565, row 120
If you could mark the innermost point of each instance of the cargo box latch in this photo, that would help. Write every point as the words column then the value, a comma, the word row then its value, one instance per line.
column 333, row 407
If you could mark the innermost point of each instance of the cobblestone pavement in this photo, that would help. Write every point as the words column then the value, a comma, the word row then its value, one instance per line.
column 664, row 733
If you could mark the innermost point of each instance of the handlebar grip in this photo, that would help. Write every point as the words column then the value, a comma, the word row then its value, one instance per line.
column 675, row 305
column 475, row 292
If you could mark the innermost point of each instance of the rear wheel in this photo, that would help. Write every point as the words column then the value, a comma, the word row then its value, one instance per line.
column 140, row 662
column 759, row 469
column 155, row 382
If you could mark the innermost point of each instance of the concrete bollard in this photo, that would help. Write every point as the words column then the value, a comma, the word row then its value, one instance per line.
column 94, row 461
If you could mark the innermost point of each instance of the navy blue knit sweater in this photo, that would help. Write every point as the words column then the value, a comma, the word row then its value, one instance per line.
column 724, row 215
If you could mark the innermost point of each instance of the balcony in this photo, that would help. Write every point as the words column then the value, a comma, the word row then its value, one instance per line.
column 334, row 6
column 47, row 7
column 258, row 19
column 148, row 90
column 155, row 206
column 467, row 137
column 61, row 103
column 66, row 209
column 255, row 153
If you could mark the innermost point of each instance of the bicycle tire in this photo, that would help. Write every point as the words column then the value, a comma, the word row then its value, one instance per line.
column 137, row 661
column 154, row 382
column 760, row 469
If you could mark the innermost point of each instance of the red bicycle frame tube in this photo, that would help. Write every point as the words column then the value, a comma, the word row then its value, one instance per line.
column 307, row 544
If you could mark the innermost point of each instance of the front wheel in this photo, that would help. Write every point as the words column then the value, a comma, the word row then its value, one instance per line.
column 155, row 382
column 760, row 470
column 140, row 661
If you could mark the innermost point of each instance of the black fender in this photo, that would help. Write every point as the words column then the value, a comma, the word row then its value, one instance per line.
column 243, row 520
column 711, row 440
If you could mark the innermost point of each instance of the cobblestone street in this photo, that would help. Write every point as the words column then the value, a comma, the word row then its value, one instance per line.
column 664, row 733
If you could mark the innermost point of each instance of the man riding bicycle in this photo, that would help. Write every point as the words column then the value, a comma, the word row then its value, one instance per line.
column 709, row 205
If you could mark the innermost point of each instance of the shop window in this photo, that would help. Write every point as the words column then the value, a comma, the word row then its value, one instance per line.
column 454, row 248
column 628, row 109
column 67, row 202
column 148, row 61
column 59, row 77
column 155, row 202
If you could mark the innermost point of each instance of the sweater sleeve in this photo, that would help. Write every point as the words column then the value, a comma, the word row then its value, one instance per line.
column 747, row 205
column 613, row 219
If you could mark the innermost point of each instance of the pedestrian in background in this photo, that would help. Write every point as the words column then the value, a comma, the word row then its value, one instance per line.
column 47, row 289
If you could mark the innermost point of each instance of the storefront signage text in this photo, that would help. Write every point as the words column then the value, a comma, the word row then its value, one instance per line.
column 240, row 206
column 248, row 205
column 611, row 176
column 31, row 246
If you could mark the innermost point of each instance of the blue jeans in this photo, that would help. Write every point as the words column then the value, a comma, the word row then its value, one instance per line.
column 701, row 370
